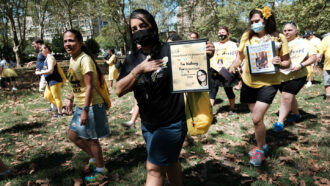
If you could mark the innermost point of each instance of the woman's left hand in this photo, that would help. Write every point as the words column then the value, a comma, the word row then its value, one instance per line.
column 210, row 48
column 84, row 117
column 295, row 68
column 276, row 60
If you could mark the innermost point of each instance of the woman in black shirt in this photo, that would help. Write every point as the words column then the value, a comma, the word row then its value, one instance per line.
column 162, row 113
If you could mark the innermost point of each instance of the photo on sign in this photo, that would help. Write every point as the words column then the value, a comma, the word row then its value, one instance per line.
column 189, row 66
column 260, row 58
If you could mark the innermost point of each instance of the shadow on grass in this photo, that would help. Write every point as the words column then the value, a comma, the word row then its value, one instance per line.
column 275, row 140
column 49, row 166
column 218, row 101
column 212, row 173
column 22, row 127
column 314, row 97
column 241, row 108
column 128, row 160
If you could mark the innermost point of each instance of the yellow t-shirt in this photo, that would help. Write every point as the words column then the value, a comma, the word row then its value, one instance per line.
column 325, row 49
column 298, row 49
column 113, row 71
column 260, row 80
column 78, row 68
column 225, row 54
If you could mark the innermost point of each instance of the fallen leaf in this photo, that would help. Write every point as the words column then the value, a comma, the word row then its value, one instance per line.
column 263, row 177
column 287, row 159
column 313, row 166
column 293, row 179
column 302, row 183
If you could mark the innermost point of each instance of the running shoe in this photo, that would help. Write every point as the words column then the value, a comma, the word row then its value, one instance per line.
column 264, row 148
column 309, row 84
column 97, row 176
column 293, row 118
column 14, row 89
column 257, row 158
column 278, row 126
column 127, row 123
column 89, row 167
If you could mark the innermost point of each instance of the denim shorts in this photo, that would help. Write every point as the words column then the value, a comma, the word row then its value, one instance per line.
column 165, row 143
column 97, row 126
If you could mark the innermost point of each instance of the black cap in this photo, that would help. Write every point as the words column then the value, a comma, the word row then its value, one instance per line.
column 308, row 33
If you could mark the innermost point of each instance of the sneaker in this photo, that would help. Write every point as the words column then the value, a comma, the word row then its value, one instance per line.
column 128, row 123
column 57, row 115
column 97, row 176
column 308, row 84
column 264, row 148
column 257, row 158
column 14, row 89
column 293, row 118
column 89, row 167
column 278, row 126
column 231, row 112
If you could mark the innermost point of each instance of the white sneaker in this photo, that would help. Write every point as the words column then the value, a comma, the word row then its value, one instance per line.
column 128, row 123
column 14, row 89
column 308, row 84
column 131, row 112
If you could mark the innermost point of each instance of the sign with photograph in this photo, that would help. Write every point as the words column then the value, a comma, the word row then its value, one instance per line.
column 260, row 58
column 189, row 66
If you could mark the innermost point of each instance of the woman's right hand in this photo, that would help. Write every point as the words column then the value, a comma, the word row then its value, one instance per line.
column 69, row 105
column 149, row 66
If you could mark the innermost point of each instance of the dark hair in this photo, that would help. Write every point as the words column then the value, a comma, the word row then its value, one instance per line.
column 112, row 50
column 39, row 41
column 203, row 71
column 224, row 28
column 144, row 15
column 85, row 49
column 291, row 23
column 174, row 37
column 270, row 24
column 195, row 34
column 48, row 47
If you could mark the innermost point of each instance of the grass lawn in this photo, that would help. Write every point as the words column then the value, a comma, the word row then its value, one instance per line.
column 35, row 146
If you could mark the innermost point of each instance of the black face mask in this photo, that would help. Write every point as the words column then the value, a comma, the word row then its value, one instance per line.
column 145, row 37
column 222, row 37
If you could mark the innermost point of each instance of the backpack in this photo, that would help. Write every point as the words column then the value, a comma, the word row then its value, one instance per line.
column 118, row 63
column 198, row 112
column 60, row 71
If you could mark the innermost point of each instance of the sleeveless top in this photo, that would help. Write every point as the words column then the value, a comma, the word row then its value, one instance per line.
column 54, row 77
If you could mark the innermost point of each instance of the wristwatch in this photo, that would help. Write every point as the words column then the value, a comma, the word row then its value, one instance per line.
column 85, row 108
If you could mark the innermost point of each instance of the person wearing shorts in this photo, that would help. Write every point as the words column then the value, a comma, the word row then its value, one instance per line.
column 324, row 49
column 89, row 122
column 259, row 90
column 296, row 79
column 162, row 113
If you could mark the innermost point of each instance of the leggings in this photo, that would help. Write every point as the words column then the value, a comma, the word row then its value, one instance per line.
column 53, row 94
column 229, row 92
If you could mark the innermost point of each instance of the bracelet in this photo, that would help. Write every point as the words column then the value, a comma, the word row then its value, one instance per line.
column 301, row 65
column 134, row 76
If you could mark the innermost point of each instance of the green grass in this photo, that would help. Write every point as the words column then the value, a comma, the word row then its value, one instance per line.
column 36, row 146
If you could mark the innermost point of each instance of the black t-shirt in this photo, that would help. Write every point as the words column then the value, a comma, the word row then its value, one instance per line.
column 158, row 106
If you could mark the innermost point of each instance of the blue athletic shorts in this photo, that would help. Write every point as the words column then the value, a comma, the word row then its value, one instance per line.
column 97, row 126
column 165, row 143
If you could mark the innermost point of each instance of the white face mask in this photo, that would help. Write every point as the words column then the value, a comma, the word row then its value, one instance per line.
column 257, row 27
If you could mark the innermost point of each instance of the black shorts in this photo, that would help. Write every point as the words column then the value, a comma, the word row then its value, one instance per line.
column 264, row 94
column 293, row 86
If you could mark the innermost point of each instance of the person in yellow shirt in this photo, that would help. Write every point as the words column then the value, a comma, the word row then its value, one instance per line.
column 113, row 71
column 315, row 41
column 53, row 78
column 324, row 49
column 223, row 57
column 89, row 122
column 259, row 90
column 302, row 54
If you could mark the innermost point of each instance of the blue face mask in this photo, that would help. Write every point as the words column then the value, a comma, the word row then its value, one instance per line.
column 257, row 27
